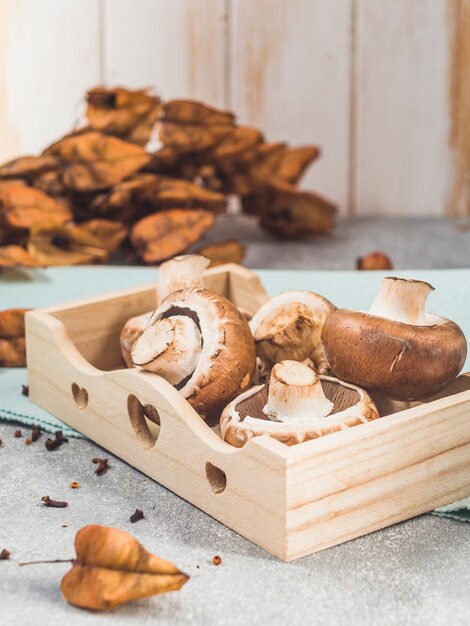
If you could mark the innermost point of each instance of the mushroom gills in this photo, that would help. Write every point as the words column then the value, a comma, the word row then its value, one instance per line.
column 170, row 347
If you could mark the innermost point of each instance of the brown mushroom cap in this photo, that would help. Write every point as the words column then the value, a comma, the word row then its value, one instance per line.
column 245, row 416
column 402, row 361
column 227, row 360
column 289, row 325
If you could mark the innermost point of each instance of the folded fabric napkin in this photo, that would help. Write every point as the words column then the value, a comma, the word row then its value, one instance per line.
column 55, row 285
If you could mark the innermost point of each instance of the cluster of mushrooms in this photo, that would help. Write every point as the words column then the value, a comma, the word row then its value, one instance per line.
column 299, row 368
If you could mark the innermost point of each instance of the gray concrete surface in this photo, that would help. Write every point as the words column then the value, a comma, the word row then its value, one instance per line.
column 415, row 573
column 412, row 243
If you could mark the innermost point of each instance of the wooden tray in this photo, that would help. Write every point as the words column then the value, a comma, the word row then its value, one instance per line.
column 291, row 501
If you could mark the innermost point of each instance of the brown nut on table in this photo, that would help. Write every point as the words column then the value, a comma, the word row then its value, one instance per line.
column 296, row 406
column 181, row 272
column 396, row 348
column 289, row 326
column 200, row 343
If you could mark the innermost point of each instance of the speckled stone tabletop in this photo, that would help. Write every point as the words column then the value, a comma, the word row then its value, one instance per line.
column 416, row 572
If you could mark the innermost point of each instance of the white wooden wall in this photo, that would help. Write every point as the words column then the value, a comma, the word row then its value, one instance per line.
column 367, row 80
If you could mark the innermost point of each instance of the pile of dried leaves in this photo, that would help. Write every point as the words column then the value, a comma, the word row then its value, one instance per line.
column 98, row 193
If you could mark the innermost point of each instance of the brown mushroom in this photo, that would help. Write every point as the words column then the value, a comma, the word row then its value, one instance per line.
column 296, row 406
column 289, row 326
column 200, row 343
column 178, row 273
column 396, row 349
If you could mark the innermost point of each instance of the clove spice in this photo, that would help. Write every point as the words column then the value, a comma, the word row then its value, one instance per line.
column 102, row 465
column 28, row 441
column 18, row 433
column 53, row 444
column 55, row 504
column 35, row 433
column 136, row 516
column 25, row 390
column 5, row 555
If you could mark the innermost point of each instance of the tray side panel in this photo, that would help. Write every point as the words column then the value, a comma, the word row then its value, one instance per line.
column 385, row 472
column 177, row 454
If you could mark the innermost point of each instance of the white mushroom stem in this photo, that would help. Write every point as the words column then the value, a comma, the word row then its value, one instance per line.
column 295, row 394
column 402, row 300
column 181, row 272
column 170, row 347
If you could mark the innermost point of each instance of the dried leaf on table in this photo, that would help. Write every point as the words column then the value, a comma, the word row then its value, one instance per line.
column 164, row 159
column 289, row 212
column 28, row 166
column 25, row 207
column 112, row 568
column 93, row 161
column 224, row 252
column 190, row 126
column 88, row 242
column 13, row 352
column 374, row 261
column 12, row 182
column 16, row 256
column 163, row 235
column 12, row 323
column 255, row 174
column 123, row 112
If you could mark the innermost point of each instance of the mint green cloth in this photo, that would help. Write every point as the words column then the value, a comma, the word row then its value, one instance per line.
column 39, row 288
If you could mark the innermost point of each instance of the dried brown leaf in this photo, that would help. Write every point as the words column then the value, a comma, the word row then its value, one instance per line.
column 89, row 242
column 123, row 112
column 93, row 161
column 12, row 323
column 289, row 212
column 16, row 256
column 190, row 126
column 223, row 252
column 13, row 352
column 293, row 163
column 25, row 207
column 50, row 182
column 112, row 568
column 27, row 167
column 163, row 235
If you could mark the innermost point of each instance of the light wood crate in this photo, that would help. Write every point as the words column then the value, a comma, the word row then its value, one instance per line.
column 291, row 501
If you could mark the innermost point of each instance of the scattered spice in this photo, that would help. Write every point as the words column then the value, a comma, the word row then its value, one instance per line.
column 28, row 441
column 25, row 390
column 18, row 433
column 65, row 525
column 112, row 568
column 102, row 465
column 55, row 504
column 74, row 485
column 35, row 433
column 5, row 555
column 216, row 560
column 136, row 516
column 53, row 444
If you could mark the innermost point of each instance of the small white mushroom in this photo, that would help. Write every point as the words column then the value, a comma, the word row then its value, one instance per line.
column 296, row 406
column 181, row 272
column 289, row 326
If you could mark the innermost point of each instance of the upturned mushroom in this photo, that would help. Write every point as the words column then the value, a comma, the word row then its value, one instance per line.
column 289, row 326
column 396, row 349
column 200, row 343
column 180, row 272
column 296, row 406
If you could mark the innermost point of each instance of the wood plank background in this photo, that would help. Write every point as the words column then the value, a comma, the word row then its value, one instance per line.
column 383, row 87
